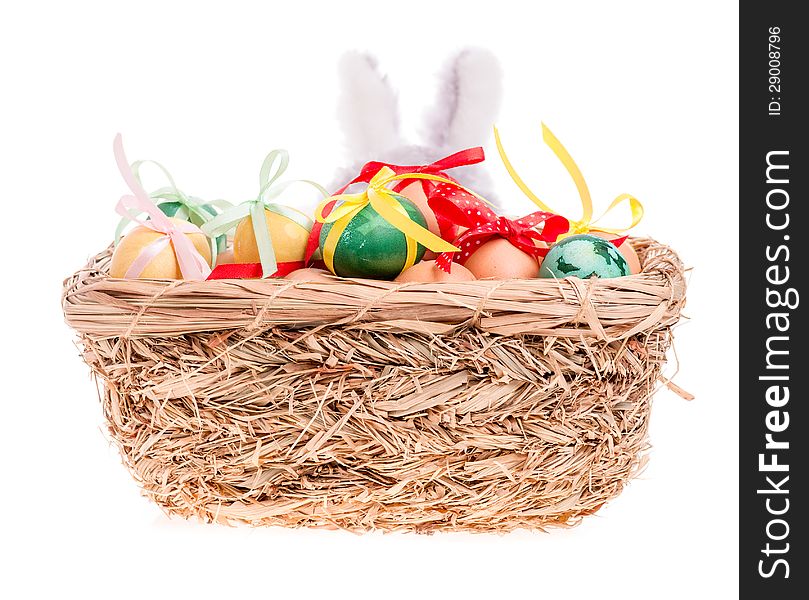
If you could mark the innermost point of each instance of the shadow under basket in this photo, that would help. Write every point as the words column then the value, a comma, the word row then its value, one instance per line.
column 363, row 405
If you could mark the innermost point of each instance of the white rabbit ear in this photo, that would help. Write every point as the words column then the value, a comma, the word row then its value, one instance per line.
column 366, row 108
column 469, row 94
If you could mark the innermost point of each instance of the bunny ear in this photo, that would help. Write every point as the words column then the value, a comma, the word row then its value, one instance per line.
column 367, row 107
column 469, row 93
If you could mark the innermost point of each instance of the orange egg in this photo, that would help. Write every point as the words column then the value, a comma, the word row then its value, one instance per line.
column 499, row 259
column 162, row 266
column 426, row 271
column 288, row 238
column 628, row 252
column 309, row 274
column 415, row 193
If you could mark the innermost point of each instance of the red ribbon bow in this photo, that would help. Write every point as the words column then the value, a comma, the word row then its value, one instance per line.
column 470, row 156
column 482, row 224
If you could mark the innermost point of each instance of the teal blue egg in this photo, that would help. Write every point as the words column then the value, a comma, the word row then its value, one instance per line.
column 170, row 209
column 583, row 256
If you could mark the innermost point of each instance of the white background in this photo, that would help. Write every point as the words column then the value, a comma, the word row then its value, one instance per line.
column 643, row 95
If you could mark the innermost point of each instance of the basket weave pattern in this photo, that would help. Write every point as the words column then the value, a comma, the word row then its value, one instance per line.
column 483, row 405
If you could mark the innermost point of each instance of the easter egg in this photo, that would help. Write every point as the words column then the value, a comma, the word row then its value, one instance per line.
column 369, row 246
column 170, row 209
column 288, row 235
column 626, row 250
column 427, row 271
column 309, row 274
column 499, row 259
column 584, row 256
column 164, row 265
column 415, row 193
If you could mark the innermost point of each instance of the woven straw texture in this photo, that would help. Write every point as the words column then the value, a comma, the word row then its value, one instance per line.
column 478, row 406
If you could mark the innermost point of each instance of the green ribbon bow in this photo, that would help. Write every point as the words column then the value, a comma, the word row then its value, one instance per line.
column 273, row 167
column 176, row 203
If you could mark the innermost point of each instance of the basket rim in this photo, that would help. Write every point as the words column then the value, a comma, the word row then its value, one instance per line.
column 100, row 306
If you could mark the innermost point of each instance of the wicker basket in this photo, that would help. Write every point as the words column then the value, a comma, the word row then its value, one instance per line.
column 484, row 405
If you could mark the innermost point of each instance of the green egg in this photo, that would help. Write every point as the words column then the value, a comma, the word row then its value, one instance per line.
column 170, row 209
column 370, row 247
column 584, row 256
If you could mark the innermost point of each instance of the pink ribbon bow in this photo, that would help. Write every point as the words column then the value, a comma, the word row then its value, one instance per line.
column 193, row 265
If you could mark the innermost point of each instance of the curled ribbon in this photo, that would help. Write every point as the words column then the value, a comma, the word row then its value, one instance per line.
column 190, row 208
column 192, row 264
column 483, row 223
column 384, row 202
column 273, row 167
column 586, row 223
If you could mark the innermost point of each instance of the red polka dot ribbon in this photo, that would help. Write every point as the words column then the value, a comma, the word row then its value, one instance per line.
column 482, row 224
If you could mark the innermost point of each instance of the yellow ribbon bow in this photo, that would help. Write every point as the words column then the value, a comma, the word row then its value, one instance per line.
column 586, row 222
column 384, row 202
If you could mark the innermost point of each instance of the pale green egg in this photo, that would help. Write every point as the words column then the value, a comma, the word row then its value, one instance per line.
column 584, row 256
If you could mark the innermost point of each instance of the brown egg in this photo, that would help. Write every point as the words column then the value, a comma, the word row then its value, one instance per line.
column 628, row 252
column 226, row 257
column 309, row 274
column 415, row 193
column 426, row 271
column 162, row 266
column 498, row 259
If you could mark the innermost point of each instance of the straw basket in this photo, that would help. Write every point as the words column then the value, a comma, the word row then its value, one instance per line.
column 480, row 406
